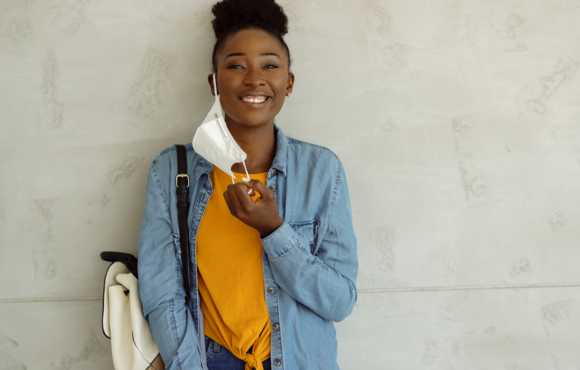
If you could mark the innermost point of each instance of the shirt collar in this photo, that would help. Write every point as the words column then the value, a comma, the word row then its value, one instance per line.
column 205, row 167
column 281, row 155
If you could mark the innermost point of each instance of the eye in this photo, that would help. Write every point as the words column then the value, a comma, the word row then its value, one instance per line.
column 235, row 66
column 271, row 66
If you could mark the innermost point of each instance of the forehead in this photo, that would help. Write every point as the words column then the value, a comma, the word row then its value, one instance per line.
column 252, row 41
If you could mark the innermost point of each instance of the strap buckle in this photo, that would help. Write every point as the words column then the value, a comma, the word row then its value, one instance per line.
column 181, row 175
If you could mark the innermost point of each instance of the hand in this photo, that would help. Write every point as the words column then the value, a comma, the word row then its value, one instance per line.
column 261, row 214
column 158, row 363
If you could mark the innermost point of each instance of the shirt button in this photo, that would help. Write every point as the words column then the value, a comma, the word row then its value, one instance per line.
column 273, row 171
column 276, row 326
column 270, row 290
column 272, row 188
column 276, row 362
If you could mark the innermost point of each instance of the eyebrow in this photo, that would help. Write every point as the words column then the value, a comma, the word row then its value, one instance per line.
column 244, row 54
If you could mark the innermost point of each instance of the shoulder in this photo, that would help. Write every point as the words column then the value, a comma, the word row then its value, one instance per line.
column 313, row 166
column 163, row 158
column 168, row 156
column 302, row 150
column 164, row 166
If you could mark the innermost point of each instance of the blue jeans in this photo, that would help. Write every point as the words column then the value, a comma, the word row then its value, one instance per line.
column 219, row 358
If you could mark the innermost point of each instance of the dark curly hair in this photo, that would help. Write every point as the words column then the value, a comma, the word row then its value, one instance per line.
column 232, row 16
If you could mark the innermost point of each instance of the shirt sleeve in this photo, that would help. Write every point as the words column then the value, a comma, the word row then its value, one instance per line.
column 161, row 284
column 325, row 283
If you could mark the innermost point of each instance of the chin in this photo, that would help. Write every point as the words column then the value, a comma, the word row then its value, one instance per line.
column 254, row 124
column 253, row 121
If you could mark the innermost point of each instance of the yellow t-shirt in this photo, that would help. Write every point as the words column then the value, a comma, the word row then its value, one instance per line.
column 231, row 278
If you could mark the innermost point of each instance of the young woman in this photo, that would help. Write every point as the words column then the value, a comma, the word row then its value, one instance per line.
column 275, row 257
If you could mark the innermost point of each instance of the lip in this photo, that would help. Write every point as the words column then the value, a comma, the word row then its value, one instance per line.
column 268, row 100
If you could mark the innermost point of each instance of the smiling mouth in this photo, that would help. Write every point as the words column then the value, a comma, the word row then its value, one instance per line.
column 256, row 99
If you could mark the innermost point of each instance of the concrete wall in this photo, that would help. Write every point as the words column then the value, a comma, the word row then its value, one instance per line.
column 458, row 123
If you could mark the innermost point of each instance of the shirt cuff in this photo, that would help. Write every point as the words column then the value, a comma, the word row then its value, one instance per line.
column 280, row 241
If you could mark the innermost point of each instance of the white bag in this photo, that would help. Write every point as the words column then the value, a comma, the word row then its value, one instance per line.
column 132, row 345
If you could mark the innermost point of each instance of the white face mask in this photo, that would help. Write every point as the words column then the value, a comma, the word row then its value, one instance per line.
column 214, row 142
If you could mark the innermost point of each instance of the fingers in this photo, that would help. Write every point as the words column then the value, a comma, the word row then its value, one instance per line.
column 243, row 197
column 246, row 180
column 242, row 206
column 260, row 188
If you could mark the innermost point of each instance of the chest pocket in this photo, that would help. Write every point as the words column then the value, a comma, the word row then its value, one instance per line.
column 309, row 231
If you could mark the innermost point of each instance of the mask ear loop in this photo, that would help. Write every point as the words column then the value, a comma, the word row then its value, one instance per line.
column 243, row 161
column 215, row 87
column 245, row 168
column 247, row 178
column 216, row 99
column 247, row 175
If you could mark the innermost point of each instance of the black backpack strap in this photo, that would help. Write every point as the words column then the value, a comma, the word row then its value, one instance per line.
column 129, row 260
column 182, row 184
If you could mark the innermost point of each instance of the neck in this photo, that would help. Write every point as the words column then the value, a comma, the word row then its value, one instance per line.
column 259, row 143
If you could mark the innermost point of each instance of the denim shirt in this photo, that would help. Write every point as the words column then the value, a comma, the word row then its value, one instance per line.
column 310, row 263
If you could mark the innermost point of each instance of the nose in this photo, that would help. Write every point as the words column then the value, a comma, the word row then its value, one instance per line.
column 254, row 77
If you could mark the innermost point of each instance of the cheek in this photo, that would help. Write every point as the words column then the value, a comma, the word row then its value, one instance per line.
column 280, row 84
column 226, row 101
column 281, row 91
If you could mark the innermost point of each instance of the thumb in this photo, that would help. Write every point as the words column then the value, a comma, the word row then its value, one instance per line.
column 256, row 185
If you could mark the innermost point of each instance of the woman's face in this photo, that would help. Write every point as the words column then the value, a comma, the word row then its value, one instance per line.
column 252, row 77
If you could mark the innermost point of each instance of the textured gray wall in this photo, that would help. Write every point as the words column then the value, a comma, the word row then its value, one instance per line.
column 458, row 123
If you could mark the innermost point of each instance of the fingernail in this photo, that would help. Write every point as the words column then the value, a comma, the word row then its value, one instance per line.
column 246, row 179
column 250, row 191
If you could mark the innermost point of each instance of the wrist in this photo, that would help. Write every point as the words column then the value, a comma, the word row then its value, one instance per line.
column 266, row 232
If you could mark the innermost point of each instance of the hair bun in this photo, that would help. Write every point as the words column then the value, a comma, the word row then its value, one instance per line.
column 238, row 14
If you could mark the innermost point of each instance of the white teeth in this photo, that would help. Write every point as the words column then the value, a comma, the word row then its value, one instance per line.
column 258, row 100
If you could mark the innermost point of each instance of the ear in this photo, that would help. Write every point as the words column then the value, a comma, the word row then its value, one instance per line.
column 210, row 80
column 290, row 83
